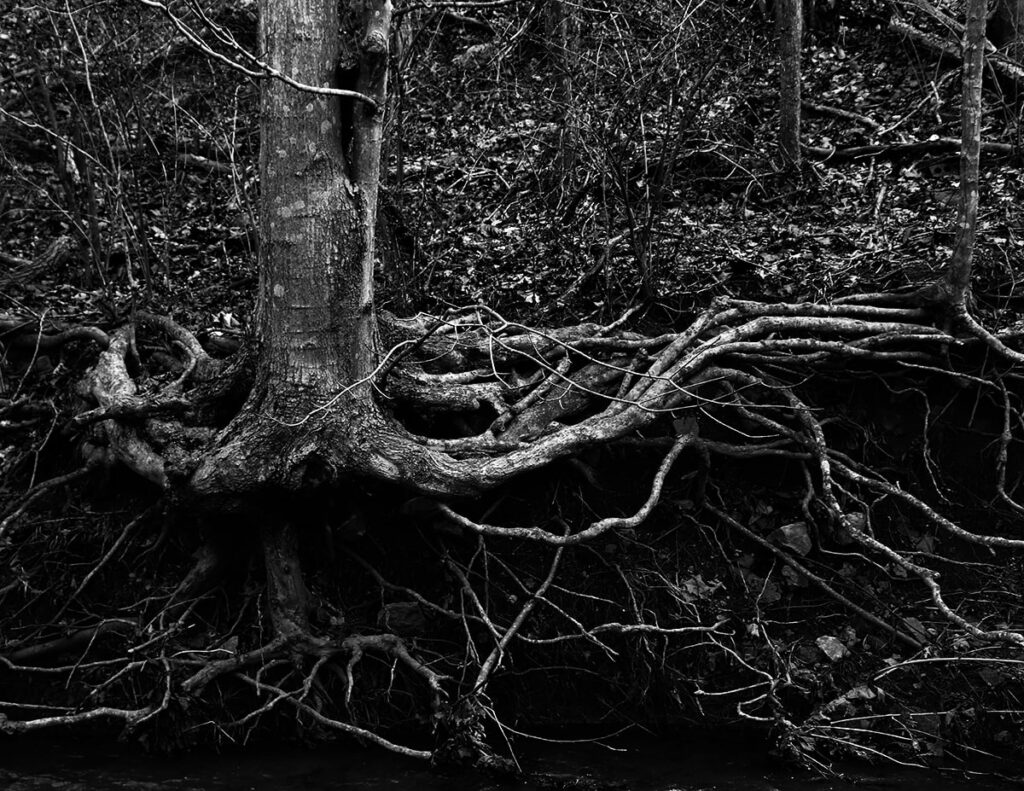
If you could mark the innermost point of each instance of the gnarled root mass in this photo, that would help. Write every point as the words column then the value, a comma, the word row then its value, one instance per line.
column 799, row 514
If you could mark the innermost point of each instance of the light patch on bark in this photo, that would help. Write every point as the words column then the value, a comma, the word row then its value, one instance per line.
column 384, row 466
column 292, row 209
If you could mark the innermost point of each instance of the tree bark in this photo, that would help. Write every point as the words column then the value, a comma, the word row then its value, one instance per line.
column 959, row 272
column 789, row 23
column 315, row 292
column 563, row 31
column 287, row 597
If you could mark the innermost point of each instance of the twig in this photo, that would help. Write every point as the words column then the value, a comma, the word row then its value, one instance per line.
column 262, row 69
column 789, row 561
column 42, row 489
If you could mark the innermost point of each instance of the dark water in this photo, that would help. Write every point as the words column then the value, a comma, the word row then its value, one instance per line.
column 683, row 764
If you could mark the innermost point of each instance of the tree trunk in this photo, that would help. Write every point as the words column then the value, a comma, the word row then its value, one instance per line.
column 789, row 23
column 315, row 292
column 962, row 261
column 317, row 332
column 563, row 31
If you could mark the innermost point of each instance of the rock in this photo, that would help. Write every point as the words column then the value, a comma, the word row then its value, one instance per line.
column 861, row 692
column 792, row 536
column 832, row 647
column 794, row 578
column 404, row 618
column 807, row 654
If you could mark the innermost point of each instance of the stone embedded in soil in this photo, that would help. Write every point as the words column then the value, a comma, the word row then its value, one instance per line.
column 832, row 647
column 793, row 536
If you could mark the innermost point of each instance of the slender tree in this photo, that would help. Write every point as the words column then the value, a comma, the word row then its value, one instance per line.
column 962, row 261
column 789, row 25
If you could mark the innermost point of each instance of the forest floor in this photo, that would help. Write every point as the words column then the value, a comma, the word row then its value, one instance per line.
column 485, row 211
column 668, row 197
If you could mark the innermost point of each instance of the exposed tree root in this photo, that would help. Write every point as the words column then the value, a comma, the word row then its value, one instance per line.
column 22, row 270
column 462, row 405
column 341, row 548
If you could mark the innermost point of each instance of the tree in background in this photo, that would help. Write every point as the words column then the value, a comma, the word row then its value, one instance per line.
column 790, row 27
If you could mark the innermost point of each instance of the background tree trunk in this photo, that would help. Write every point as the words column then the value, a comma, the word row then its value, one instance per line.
column 962, row 261
column 789, row 24
column 563, row 31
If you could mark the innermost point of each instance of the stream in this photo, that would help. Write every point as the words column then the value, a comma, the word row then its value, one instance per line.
column 681, row 764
